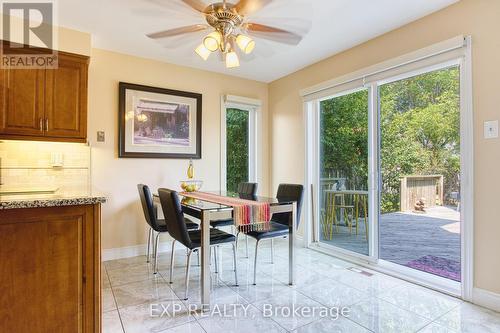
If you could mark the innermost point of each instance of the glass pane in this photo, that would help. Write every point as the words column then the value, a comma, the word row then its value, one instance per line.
column 237, row 148
column 344, row 172
column 419, row 224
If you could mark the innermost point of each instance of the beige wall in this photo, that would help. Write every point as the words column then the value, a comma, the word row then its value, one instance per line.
column 123, row 223
column 478, row 18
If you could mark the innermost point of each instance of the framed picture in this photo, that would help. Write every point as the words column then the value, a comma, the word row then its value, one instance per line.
column 158, row 123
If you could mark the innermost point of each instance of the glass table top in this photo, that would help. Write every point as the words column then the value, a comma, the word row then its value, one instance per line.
column 206, row 205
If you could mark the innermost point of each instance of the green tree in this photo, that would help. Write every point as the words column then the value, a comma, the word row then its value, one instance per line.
column 344, row 138
column 420, row 126
column 420, row 133
column 237, row 148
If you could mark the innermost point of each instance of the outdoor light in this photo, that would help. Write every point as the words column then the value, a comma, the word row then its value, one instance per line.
column 203, row 52
column 232, row 60
column 245, row 43
column 212, row 41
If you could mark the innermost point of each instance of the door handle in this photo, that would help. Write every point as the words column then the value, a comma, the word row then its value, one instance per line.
column 46, row 124
column 41, row 124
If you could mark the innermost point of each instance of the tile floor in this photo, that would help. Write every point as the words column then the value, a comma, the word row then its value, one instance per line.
column 376, row 303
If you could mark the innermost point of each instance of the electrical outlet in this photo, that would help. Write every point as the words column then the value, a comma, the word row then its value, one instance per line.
column 491, row 129
column 100, row 136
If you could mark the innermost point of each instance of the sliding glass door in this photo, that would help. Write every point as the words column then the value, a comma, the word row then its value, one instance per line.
column 343, row 187
column 388, row 172
column 419, row 221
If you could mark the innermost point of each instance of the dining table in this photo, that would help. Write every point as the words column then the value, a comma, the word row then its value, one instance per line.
column 206, row 211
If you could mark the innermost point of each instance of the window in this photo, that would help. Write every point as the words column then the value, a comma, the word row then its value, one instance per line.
column 238, row 144
column 237, row 147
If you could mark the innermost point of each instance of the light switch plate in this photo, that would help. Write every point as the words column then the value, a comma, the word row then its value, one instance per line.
column 491, row 129
column 101, row 137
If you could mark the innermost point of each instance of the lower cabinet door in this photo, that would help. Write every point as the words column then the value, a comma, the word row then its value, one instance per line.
column 48, row 270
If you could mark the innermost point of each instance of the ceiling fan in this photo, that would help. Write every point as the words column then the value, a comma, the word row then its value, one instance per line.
column 230, row 29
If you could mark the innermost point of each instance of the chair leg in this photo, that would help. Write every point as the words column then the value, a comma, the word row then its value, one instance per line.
column 172, row 256
column 198, row 256
column 234, row 262
column 246, row 242
column 188, row 265
column 236, row 242
column 255, row 263
column 272, row 251
column 156, row 253
column 150, row 235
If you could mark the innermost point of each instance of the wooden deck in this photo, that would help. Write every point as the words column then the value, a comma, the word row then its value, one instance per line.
column 408, row 236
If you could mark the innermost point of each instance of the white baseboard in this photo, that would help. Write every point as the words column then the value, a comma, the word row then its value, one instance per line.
column 133, row 251
column 486, row 299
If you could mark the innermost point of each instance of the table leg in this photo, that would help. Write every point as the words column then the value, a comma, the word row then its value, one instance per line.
column 291, row 244
column 205, row 260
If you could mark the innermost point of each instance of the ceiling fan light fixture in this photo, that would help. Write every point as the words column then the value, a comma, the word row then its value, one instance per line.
column 212, row 41
column 203, row 52
column 245, row 43
column 227, row 26
column 232, row 60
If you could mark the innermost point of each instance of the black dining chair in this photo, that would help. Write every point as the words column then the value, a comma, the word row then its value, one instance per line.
column 155, row 224
column 191, row 239
column 279, row 224
column 245, row 191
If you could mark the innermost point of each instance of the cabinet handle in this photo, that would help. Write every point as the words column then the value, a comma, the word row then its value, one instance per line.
column 47, row 124
column 41, row 125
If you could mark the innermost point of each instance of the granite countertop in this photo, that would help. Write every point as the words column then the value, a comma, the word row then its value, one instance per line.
column 59, row 198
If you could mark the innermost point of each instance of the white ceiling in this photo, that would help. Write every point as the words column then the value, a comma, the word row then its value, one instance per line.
column 335, row 25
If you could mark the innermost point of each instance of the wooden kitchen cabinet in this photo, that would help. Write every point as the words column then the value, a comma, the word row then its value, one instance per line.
column 66, row 98
column 50, row 269
column 49, row 104
column 22, row 97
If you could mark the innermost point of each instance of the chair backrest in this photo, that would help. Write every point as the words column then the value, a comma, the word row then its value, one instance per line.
column 247, row 189
column 289, row 192
column 148, row 206
column 174, row 218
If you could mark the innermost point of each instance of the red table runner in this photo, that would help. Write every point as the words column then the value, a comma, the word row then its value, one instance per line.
column 248, row 215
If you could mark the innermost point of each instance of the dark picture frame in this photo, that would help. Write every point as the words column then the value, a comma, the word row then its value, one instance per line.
column 158, row 141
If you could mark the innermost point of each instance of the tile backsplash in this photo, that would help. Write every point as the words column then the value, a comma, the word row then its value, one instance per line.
column 39, row 164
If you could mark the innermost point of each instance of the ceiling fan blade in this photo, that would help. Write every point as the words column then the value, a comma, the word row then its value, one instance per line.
column 274, row 34
column 178, row 31
column 247, row 7
column 197, row 5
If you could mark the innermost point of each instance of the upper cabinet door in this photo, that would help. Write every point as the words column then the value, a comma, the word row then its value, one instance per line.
column 21, row 102
column 66, row 98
